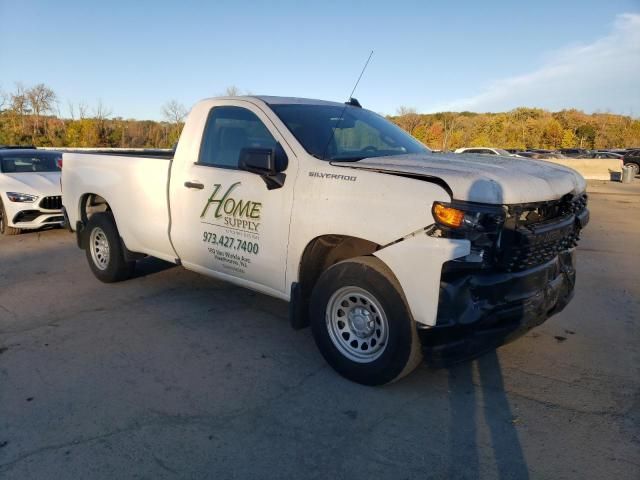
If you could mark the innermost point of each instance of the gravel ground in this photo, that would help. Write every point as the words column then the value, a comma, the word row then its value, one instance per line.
column 173, row 375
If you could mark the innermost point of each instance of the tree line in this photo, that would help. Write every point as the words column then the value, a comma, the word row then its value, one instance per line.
column 32, row 116
column 521, row 128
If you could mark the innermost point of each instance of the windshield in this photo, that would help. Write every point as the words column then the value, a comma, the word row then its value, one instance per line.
column 502, row 152
column 31, row 162
column 357, row 133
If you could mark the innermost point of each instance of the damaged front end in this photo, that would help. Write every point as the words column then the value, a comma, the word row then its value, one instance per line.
column 519, row 272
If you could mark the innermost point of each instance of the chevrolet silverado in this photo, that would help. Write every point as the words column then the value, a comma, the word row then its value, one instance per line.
column 390, row 252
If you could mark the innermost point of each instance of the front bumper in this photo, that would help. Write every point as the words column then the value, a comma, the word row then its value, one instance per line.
column 479, row 311
column 32, row 218
column 46, row 211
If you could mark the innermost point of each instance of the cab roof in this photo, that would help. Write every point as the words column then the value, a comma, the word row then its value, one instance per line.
column 275, row 100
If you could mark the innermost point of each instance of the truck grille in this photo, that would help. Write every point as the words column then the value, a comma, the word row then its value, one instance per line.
column 51, row 203
column 528, row 214
column 534, row 234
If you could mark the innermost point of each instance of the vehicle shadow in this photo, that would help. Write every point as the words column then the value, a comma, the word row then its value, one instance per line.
column 483, row 401
column 478, row 402
column 151, row 265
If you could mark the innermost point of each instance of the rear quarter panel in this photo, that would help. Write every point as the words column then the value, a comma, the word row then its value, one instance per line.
column 134, row 187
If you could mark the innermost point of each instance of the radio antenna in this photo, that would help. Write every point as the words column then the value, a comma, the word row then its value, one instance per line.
column 361, row 73
column 352, row 101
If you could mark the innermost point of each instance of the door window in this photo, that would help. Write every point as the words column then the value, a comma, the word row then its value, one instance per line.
column 229, row 130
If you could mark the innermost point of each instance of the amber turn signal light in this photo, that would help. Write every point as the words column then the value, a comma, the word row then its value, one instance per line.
column 448, row 216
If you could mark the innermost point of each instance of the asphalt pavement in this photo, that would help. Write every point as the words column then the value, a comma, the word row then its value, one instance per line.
column 174, row 375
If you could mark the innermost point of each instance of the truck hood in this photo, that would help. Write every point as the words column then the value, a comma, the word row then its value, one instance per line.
column 42, row 184
column 483, row 178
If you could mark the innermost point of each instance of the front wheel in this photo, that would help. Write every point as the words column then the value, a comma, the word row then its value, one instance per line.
column 5, row 229
column 635, row 167
column 104, row 249
column 361, row 323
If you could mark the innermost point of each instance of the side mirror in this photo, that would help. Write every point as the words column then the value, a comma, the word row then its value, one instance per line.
column 258, row 160
column 269, row 163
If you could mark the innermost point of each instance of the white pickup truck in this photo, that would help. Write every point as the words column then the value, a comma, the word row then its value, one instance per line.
column 389, row 251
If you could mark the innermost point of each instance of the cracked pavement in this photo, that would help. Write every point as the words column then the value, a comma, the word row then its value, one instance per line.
column 173, row 375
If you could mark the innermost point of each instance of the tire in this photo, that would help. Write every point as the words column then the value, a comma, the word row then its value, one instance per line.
column 377, row 343
column 635, row 167
column 4, row 228
column 104, row 249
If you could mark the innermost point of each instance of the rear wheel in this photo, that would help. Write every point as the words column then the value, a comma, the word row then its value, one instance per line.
column 104, row 249
column 361, row 323
column 635, row 167
column 5, row 229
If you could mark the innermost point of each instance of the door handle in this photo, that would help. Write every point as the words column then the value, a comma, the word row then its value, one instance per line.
column 196, row 185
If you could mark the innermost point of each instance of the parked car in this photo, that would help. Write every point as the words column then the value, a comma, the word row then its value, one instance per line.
column 484, row 151
column 30, row 193
column 537, row 154
column 541, row 150
column 531, row 155
column 385, row 249
column 573, row 152
column 601, row 154
column 632, row 158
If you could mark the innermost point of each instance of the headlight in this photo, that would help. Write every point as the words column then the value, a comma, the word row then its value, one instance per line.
column 478, row 223
column 448, row 216
column 21, row 197
column 468, row 216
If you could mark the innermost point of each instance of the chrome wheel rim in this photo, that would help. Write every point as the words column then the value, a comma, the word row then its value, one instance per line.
column 99, row 246
column 357, row 324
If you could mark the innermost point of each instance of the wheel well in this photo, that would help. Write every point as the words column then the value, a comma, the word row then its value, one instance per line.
column 320, row 254
column 91, row 203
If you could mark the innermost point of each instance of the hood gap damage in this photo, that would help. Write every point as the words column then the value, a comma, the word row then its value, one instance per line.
column 425, row 178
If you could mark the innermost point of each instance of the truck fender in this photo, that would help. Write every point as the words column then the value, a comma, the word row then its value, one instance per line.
column 416, row 261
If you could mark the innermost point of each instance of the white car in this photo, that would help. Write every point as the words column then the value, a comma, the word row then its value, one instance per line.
column 387, row 250
column 485, row 151
column 30, row 192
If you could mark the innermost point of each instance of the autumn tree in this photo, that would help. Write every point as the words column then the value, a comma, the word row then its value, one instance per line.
column 232, row 91
column 408, row 118
column 19, row 106
column 42, row 100
column 174, row 112
column 568, row 139
column 449, row 121
column 4, row 100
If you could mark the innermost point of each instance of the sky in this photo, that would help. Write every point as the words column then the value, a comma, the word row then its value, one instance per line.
column 134, row 56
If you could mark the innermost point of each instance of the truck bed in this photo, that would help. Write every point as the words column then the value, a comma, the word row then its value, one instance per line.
column 134, row 186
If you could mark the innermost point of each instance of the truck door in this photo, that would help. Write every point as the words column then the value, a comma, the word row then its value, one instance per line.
column 225, row 221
